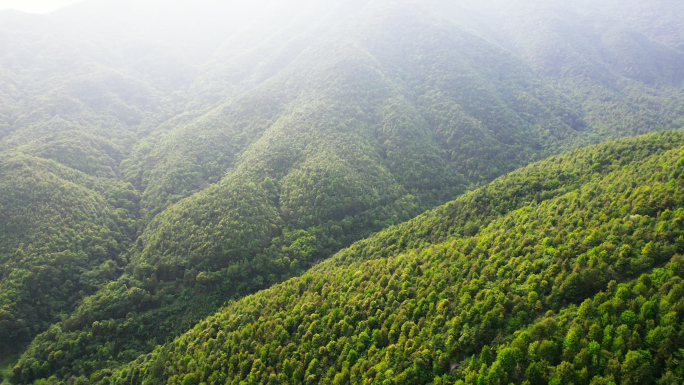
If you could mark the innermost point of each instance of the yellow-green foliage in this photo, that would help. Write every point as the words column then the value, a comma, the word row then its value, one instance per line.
column 408, row 310
column 147, row 178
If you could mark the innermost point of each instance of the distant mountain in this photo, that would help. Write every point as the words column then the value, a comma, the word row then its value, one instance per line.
column 205, row 152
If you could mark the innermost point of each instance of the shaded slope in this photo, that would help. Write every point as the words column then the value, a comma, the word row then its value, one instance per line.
column 62, row 236
column 601, row 57
column 81, row 95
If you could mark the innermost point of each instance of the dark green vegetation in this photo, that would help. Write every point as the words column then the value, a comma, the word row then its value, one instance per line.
column 63, row 232
column 148, row 175
column 556, row 286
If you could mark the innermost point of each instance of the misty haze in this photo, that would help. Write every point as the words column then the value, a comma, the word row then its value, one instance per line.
column 386, row 192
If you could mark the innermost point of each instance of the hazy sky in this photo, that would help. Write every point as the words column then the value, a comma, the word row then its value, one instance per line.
column 35, row 6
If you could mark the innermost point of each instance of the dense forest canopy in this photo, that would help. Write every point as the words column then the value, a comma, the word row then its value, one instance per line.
column 574, row 280
column 164, row 160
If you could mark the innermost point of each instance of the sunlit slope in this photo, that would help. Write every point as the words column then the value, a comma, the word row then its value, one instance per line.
column 508, row 203
column 498, row 294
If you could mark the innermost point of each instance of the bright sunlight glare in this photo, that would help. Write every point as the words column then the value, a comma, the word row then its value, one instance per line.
column 35, row 6
column 47, row 6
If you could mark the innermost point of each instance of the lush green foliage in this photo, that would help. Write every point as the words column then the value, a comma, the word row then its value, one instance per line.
column 499, row 305
column 149, row 175
column 629, row 334
column 418, row 315
column 60, row 240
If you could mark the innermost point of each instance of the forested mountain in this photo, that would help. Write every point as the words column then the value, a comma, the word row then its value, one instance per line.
column 149, row 174
column 544, row 276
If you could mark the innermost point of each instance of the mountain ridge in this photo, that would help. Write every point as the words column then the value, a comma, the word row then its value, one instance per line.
column 240, row 163
column 431, row 264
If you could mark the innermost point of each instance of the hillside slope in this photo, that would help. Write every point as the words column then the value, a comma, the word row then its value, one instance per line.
column 228, row 159
column 62, row 236
column 557, row 287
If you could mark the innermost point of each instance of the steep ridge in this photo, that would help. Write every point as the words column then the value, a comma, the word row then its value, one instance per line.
column 69, row 114
column 462, row 100
column 497, row 305
column 383, row 55
column 349, row 154
column 77, row 91
column 253, row 159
